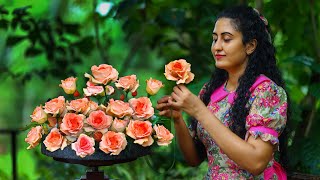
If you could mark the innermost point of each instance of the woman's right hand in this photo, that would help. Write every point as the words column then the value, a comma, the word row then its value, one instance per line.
column 165, row 109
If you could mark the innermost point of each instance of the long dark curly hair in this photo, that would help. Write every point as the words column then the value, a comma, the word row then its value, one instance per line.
column 262, row 61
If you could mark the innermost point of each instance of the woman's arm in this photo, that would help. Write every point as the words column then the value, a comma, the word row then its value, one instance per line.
column 185, row 141
column 252, row 155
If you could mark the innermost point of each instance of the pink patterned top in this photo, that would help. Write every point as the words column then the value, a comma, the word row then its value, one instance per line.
column 266, row 119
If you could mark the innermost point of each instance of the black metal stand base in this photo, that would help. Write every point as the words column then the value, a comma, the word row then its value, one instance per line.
column 94, row 174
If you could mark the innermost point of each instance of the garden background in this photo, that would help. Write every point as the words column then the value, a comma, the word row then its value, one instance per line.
column 42, row 42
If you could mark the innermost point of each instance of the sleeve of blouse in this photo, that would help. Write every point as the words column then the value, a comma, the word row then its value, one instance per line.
column 268, row 113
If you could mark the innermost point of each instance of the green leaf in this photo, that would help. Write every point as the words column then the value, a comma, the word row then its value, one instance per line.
column 32, row 124
column 13, row 40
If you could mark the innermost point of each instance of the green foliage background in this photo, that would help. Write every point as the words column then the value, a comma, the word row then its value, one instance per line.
column 42, row 42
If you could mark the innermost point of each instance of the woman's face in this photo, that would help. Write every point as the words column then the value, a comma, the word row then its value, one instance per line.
column 227, row 47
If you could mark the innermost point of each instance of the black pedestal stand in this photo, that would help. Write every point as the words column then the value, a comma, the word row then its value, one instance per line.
column 94, row 174
column 99, row 158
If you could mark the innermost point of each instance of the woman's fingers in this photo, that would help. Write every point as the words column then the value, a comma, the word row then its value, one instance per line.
column 163, row 99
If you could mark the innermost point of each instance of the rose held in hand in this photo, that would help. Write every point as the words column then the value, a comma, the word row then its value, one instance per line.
column 179, row 71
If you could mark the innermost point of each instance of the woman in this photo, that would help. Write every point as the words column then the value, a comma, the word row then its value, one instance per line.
column 241, row 112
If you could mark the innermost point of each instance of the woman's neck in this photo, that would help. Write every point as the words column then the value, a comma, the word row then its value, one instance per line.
column 232, row 82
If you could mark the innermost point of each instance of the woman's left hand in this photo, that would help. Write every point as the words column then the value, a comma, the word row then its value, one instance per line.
column 184, row 99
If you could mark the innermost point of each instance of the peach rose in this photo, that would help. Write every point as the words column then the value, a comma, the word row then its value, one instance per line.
column 142, row 107
column 113, row 142
column 140, row 131
column 102, row 74
column 72, row 124
column 128, row 83
column 153, row 86
column 52, row 121
column 109, row 90
column 180, row 71
column 119, row 108
column 55, row 106
column 119, row 125
column 34, row 136
column 84, row 146
column 79, row 105
column 93, row 106
column 93, row 91
column 39, row 115
column 99, row 120
column 69, row 85
column 53, row 140
column 163, row 135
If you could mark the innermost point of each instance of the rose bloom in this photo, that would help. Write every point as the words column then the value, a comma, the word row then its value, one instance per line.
column 69, row 85
column 179, row 70
column 52, row 121
column 128, row 83
column 39, row 115
column 53, row 140
column 119, row 125
column 109, row 90
column 93, row 106
column 79, row 105
column 140, row 131
column 72, row 124
column 142, row 107
column 94, row 91
column 113, row 142
column 55, row 106
column 119, row 108
column 153, row 86
column 102, row 74
column 34, row 136
column 83, row 146
column 163, row 134
column 99, row 120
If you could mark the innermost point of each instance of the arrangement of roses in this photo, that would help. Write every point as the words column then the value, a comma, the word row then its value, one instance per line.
column 83, row 122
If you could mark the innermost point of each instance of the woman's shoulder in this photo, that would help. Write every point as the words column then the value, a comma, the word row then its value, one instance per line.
column 264, row 85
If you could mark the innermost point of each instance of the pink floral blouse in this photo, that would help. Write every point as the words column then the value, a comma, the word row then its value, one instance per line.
column 266, row 119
